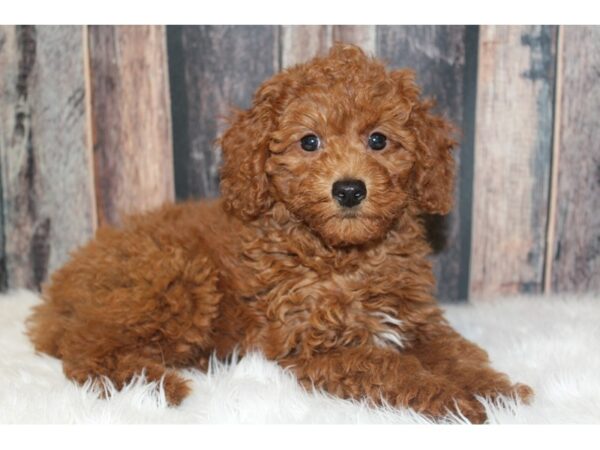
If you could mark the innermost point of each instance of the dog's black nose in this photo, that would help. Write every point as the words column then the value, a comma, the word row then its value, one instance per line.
column 349, row 193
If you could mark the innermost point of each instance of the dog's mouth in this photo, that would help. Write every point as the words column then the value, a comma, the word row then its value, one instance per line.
column 351, row 227
column 340, row 225
column 350, row 214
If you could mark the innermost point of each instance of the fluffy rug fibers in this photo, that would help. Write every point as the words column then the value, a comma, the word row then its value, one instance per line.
column 550, row 343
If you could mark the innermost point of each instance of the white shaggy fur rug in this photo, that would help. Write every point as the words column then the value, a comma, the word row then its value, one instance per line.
column 552, row 344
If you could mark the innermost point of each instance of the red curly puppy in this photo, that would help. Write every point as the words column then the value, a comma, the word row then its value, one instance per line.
column 315, row 254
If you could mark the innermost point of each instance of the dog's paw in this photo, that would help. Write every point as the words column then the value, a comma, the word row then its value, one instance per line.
column 457, row 402
column 518, row 391
column 175, row 387
column 524, row 392
column 438, row 400
column 470, row 408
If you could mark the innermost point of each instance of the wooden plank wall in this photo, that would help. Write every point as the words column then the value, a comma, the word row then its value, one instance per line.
column 515, row 95
column 213, row 69
column 62, row 148
column 574, row 256
column 302, row 42
column 48, row 203
column 131, row 112
column 132, row 115
column 443, row 66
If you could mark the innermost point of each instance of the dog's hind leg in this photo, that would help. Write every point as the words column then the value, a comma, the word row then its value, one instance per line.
column 139, row 299
column 162, row 330
column 121, row 369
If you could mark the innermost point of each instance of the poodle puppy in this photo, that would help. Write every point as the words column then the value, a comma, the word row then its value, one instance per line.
column 315, row 255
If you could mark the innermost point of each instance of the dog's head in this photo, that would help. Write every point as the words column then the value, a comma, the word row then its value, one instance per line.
column 344, row 144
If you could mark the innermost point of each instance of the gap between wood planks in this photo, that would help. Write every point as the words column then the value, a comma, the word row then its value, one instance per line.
column 553, row 199
column 89, row 125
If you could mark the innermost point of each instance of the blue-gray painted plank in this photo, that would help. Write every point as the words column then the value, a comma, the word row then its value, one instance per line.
column 213, row 69
column 444, row 58
column 47, row 184
column 575, row 265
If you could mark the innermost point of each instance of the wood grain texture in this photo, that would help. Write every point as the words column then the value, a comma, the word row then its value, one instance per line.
column 3, row 274
column 575, row 262
column 513, row 151
column 440, row 57
column 47, row 182
column 131, row 114
column 365, row 36
column 213, row 69
column 299, row 43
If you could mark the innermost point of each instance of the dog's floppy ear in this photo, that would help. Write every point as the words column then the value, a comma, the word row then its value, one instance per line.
column 245, row 146
column 433, row 174
column 434, row 170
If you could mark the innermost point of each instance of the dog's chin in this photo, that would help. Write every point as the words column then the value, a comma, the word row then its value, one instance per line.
column 340, row 227
column 352, row 229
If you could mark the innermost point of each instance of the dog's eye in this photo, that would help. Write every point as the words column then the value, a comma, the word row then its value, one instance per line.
column 310, row 143
column 377, row 141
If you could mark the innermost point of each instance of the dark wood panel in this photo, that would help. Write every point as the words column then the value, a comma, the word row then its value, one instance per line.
column 575, row 262
column 132, row 119
column 47, row 183
column 213, row 68
column 444, row 60
column 513, row 151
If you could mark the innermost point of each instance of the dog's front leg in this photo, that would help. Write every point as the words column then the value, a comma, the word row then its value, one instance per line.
column 384, row 376
column 446, row 353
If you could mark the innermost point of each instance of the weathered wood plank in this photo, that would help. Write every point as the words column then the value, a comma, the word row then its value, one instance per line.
column 574, row 265
column 513, row 151
column 47, row 182
column 133, row 150
column 212, row 68
column 3, row 274
column 365, row 36
column 299, row 43
column 444, row 60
